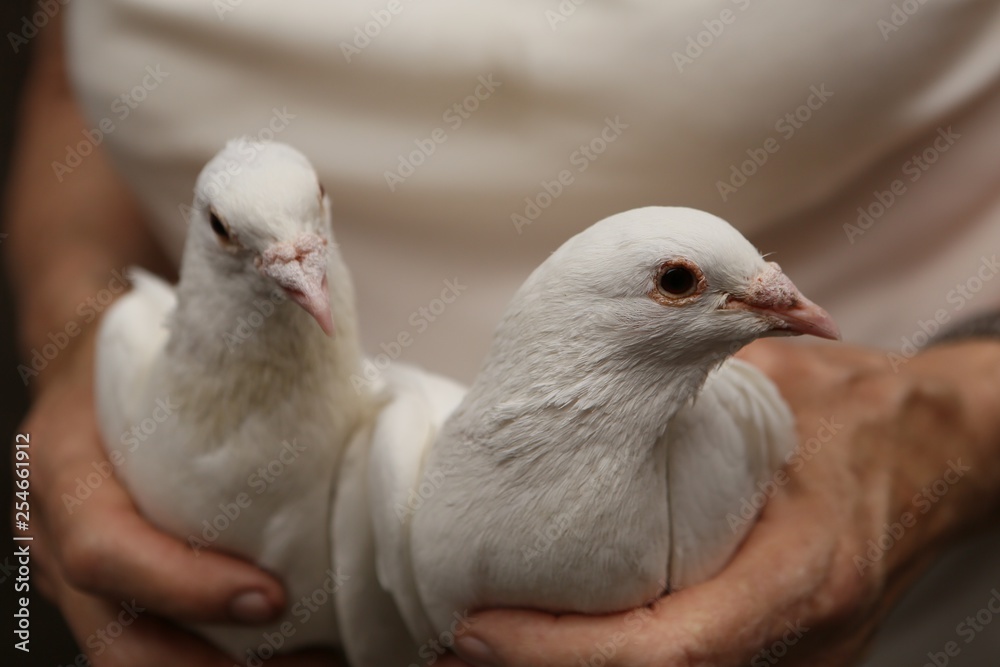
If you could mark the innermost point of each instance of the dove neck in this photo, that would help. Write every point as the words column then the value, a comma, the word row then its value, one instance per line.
column 617, row 404
column 582, row 447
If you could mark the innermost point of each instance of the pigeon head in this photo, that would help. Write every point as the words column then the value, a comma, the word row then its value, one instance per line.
column 681, row 280
column 260, row 209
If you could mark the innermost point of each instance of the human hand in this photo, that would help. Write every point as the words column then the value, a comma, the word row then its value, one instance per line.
column 817, row 573
column 116, row 578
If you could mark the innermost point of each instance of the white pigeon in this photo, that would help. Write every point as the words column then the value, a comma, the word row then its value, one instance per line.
column 593, row 463
column 228, row 403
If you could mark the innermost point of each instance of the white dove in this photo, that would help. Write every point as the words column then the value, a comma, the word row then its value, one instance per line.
column 592, row 464
column 228, row 403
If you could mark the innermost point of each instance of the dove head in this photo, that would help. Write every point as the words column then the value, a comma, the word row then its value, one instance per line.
column 261, row 211
column 677, row 281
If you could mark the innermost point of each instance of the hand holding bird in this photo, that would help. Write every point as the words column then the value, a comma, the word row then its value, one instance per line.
column 794, row 590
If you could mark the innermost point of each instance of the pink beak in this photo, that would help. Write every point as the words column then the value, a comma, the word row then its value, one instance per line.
column 299, row 268
column 773, row 296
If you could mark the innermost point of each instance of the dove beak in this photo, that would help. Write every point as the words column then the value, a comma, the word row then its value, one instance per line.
column 299, row 268
column 314, row 298
column 773, row 296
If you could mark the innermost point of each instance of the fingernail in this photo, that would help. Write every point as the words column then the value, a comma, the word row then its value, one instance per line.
column 252, row 607
column 475, row 651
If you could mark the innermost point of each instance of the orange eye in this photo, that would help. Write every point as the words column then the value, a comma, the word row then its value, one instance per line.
column 677, row 282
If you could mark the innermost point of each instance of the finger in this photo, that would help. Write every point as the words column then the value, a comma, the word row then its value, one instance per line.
column 775, row 590
column 43, row 570
column 103, row 546
column 535, row 639
column 125, row 634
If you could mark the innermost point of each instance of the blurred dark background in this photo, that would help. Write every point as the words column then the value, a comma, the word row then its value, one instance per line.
column 51, row 643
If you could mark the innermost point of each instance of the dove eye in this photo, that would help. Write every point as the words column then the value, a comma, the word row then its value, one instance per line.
column 678, row 280
column 217, row 226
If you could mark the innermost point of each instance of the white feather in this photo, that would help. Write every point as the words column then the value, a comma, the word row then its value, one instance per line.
column 721, row 452
column 594, row 461
column 379, row 607
column 230, row 436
